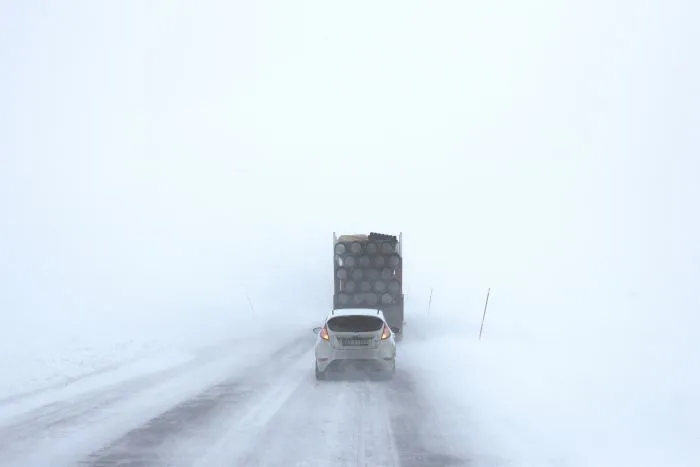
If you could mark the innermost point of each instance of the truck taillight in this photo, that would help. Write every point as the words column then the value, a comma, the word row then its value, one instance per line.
column 386, row 333
column 324, row 334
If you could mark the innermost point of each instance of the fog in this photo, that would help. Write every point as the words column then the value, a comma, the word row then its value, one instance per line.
column 178, row 157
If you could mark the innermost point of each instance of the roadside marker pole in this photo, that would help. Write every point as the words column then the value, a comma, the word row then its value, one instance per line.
column 252, row 308
column 430, row 299
column 483, row 318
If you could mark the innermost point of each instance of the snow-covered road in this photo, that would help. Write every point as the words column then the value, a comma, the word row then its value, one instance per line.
column 455, row 401
column 239, row 405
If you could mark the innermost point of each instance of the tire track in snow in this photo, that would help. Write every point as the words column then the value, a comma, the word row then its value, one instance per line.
column 377, row 442
column 323, row 424
column 65, row 431
column 288, row 419
column 154, row 443
column 60, row 418
column 280, row 416
column 417, row 443
column 339, row 423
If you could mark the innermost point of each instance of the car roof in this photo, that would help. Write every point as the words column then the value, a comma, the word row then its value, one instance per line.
column 356, row 312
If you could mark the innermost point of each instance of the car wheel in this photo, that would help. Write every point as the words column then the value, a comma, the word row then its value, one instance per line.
column 388, row 375
column 320, row 375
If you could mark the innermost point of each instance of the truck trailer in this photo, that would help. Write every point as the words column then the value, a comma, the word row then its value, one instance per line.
column 368, row 273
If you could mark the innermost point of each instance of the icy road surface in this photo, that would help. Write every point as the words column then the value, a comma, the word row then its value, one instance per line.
column 237, row 406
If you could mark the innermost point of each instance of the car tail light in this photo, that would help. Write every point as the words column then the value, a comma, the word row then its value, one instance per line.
column 386, row 333
column 324, row 333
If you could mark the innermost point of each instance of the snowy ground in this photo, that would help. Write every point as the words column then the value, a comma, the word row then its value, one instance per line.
column 252, row 400
column 50, row 351
column 594, row 402
column 224, row 395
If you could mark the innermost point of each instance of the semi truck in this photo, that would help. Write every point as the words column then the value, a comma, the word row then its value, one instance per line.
column 368, row 273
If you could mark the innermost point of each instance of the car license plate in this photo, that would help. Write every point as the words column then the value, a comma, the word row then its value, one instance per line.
column 355, row 342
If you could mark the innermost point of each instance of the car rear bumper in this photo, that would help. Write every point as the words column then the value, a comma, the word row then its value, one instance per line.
column 381, row 358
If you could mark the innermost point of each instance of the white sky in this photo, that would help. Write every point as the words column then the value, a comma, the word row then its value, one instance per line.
column 179, row 153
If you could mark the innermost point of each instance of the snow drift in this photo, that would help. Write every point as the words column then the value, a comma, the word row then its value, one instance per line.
column 521, row 399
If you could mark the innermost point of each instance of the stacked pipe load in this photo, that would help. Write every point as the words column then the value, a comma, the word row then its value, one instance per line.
column 367, row 271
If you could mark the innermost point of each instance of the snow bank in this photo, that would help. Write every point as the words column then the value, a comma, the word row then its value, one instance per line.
column 597, row 401
column 46, row 350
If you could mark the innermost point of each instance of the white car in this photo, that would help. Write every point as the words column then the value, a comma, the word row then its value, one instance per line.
column 358, row 337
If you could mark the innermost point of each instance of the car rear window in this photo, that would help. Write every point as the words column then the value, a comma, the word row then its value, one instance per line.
column 355, row 323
